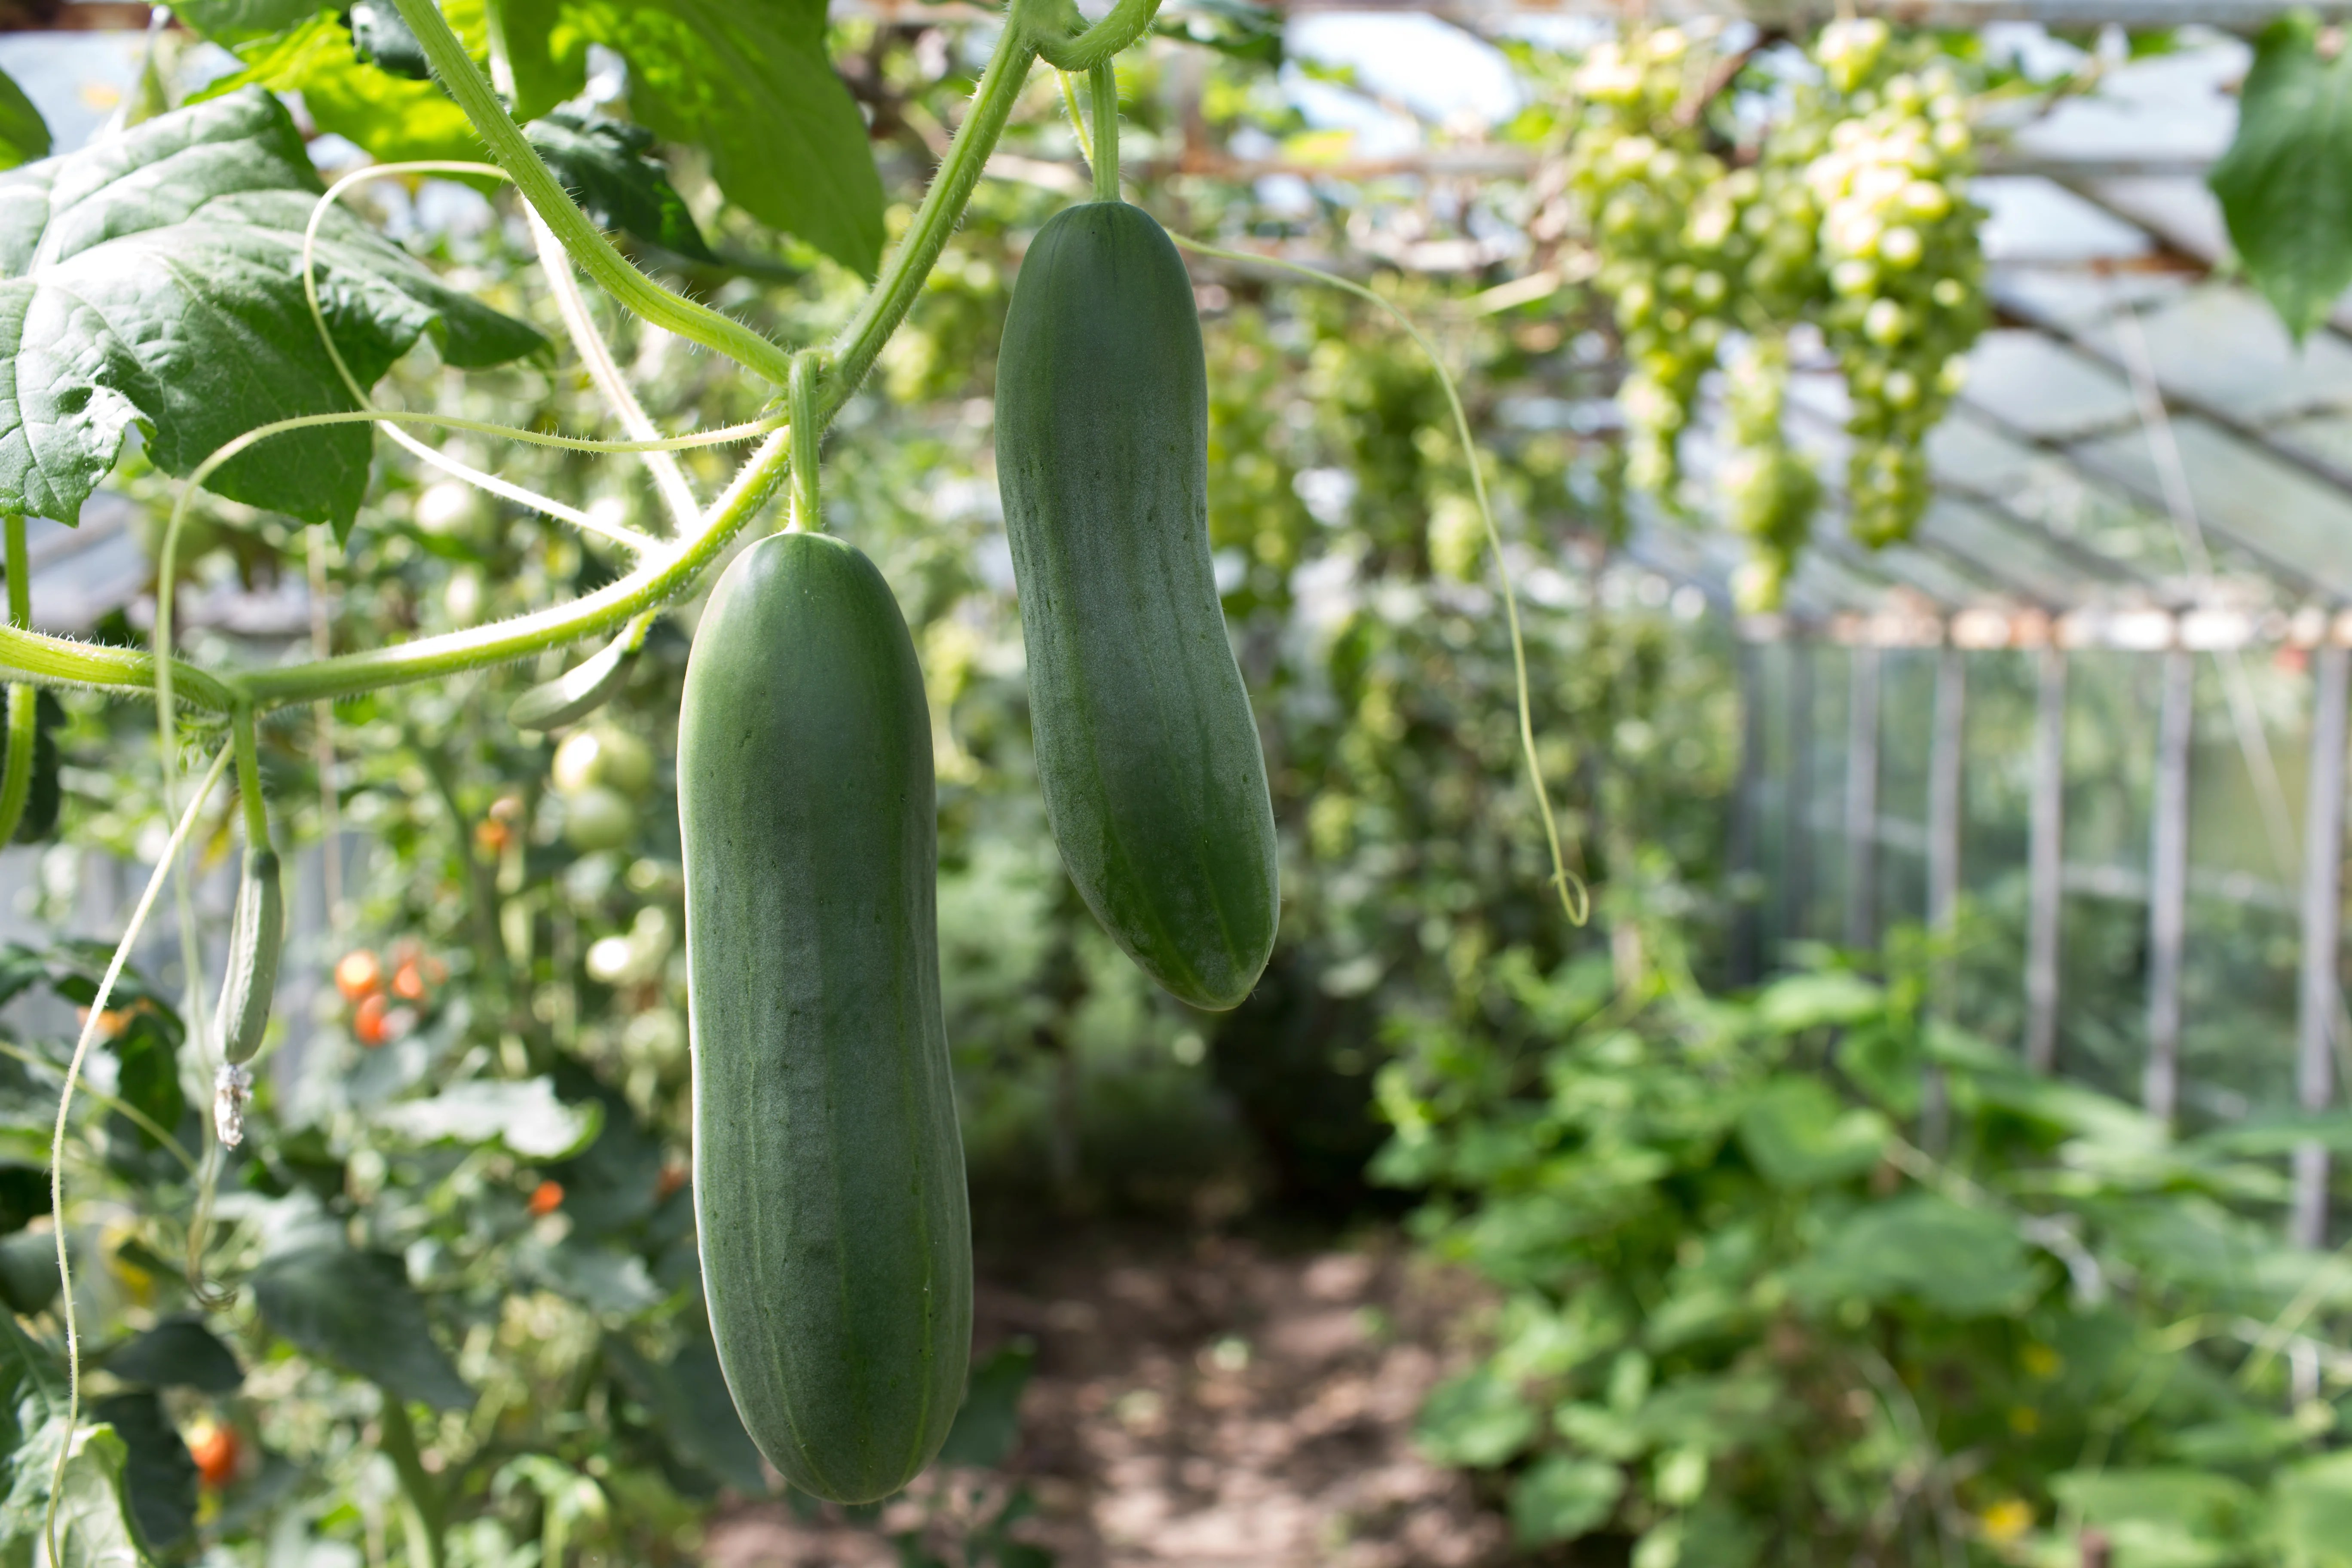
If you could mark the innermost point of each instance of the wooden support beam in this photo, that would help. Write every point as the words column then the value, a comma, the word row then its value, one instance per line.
column 1861, row 799
column 2045, row 858
column 2318, row 996
column 2167, row 908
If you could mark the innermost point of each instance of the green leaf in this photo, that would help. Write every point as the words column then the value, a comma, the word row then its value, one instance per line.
column 2311, row 1512
column 526, row 1116
column 1798, row 1134
column 159, row 1473
column 1477, row 1420
column 2162, row 1518
column 547, row 54
column 131, row 295
column 2285, row 183
column 150, row 1079
column 601, row 1278
column 357, row 1311
column 990, row 1418
column 2280, row 1132
column 24, row 134
column 1804, row 1002
column 93, row 1522
column 1563, row 1498
column 1963, row 1262
column 397, row 119
column 1248, row 33
column 382, row 37
column 604, row 165
column 691, row 1408
column 28, row 1272
column 237, row 21
column 178, row 1352
column 749, row 80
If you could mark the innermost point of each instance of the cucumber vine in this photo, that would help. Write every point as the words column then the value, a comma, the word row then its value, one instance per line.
column 813, row 383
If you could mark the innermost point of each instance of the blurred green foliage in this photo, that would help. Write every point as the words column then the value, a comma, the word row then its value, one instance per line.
column 1809, row 1274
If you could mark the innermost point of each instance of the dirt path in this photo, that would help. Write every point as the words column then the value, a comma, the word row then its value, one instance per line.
column 1222, row 1405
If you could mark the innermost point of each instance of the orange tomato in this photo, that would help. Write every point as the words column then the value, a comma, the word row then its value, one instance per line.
column 546, row 1198
column 214, row 1449
column 492, row 836
column 408, row 981
column 359, row 974
column 672, row 1177
column 368, row 1020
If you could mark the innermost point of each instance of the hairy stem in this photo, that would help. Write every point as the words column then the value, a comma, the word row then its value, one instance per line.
column 464, row 82
column 1103, row 84
column 24, row 710
column 248, row 779
column 89, row 1030
column 808, row 432
column 1575, row 900
column 662, row 574
column 596, row 357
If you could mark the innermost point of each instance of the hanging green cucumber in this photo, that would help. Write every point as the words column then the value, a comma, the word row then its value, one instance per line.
column 1147, row 752
column 37, row 798
column 258, row 929
column 828, row 1170
column 257, row 937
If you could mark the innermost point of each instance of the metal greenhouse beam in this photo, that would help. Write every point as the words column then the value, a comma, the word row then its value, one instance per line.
column 1861, row 798
column 1796, row 804
column 2322, row 902
column 2045, row 862
column 2168, row 899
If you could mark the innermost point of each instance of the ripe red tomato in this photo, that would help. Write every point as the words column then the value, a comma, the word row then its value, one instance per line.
column 214, row 1449
column 546, row 1198
column 359, row 974
column 368, row 1020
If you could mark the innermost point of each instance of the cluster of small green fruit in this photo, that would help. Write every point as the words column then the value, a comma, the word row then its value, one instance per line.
column 1846, row 214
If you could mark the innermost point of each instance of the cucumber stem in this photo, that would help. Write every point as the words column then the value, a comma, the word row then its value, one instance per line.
column 420, row 1499
column 24, row 711
column 464, row 81
column 808, row 433
column 248, row 778
column 1034, row 29
column 1102, row 83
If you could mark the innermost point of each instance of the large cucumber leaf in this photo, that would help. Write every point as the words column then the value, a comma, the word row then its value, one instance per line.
column 153, row 280
column 2285, row 184
column 93, row 1521
column 608, row 166
column 749, row 80
column 357, row 1311
column 393, row 117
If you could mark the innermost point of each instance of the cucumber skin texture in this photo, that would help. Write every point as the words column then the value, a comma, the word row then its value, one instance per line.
column 1147, row 752
column 828, row 1169
column 257, row 938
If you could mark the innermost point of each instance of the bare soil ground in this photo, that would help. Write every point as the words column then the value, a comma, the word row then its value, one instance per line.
column 1201, row 1405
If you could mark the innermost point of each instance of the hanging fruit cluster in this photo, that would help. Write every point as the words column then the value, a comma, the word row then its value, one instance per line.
column 1847, row 215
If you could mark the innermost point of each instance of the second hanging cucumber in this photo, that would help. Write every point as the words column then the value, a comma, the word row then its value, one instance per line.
column 1147, row 752
column 828, row 1174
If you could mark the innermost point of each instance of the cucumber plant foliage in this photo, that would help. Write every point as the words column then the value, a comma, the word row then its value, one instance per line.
column 153, row 281
column 188, row 279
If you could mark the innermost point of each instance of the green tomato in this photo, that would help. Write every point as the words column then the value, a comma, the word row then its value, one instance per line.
column 595, row 817
column 602, row 756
